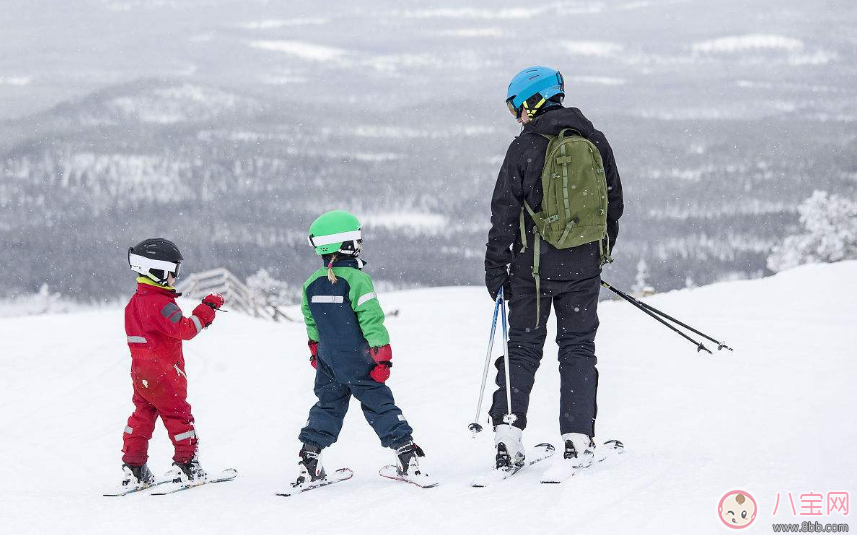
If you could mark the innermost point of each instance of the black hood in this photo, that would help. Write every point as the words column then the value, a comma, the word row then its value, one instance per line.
column 555, row 119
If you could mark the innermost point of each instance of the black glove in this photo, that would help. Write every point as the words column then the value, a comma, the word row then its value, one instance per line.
column 496, row 277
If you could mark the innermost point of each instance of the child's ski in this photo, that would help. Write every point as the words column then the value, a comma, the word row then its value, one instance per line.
column 226, row 475
column 539, row 453
column 124, row 491
column 343, row 474
column 424, row 481
column 559, row 473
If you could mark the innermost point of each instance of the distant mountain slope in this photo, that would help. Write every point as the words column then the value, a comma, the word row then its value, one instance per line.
column 236, row 179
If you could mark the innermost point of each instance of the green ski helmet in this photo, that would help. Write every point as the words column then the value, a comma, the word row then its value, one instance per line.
column 336, row 231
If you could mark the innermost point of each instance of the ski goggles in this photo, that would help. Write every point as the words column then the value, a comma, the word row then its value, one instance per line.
column 531, row 111
column 512, row 109
column 139, row 263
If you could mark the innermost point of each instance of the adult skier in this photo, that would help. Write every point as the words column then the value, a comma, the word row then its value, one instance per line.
column 554, row 220
column 350, row 350
column 156, row 328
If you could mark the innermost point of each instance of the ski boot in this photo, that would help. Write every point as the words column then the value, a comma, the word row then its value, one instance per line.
column 406, row 460
column 188, row 473
column 139, row 477
column 579, row 450
column 310, row 466
column 510, row 456
column 510, row 450
column 408, row 466
column 579, row 454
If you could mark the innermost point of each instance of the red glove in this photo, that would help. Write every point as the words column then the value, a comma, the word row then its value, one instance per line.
column 205, row 313
column 313, row 349
column 382, row 356
column 215, row 301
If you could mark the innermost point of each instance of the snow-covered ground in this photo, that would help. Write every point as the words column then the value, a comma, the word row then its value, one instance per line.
column 775, row 416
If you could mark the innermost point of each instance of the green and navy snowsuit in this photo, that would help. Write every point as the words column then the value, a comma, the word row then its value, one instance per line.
column 346, row 319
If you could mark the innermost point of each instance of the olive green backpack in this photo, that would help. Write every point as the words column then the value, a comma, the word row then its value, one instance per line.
column 574, row 200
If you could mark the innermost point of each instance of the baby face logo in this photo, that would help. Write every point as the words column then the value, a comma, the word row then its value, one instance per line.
column 737, row 509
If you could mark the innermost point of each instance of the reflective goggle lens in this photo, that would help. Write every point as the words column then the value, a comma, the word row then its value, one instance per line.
column 512, row 108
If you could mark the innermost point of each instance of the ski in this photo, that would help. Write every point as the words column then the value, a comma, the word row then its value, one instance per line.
column 423, row 481
column 602, row 453
column 343, row 474
column 126, row 491
column 540, row 453
column 226, row 475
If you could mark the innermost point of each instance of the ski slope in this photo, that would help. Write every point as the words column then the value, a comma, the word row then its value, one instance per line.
column 775, row 416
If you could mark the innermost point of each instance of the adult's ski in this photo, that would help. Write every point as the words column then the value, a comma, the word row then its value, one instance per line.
column 538, row 454
column 561, row 472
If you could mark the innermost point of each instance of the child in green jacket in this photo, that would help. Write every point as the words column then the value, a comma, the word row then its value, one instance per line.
column 351, row 352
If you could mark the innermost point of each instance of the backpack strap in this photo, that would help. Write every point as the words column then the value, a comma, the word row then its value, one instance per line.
column 604, row 251
column 537, row 242
column 566, row 231
column 564, row 133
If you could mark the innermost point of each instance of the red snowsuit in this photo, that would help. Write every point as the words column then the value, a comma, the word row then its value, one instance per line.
column 155, row 329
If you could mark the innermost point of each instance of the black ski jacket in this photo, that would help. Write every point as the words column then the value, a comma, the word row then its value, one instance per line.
column 520, row 178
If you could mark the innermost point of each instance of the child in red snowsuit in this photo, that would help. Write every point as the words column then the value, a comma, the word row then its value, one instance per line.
column 156, row 328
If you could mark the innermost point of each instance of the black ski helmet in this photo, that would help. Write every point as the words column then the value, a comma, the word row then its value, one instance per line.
column 156, row 258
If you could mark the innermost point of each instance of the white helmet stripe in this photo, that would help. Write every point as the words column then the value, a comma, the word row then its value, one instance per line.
column 142, row 263
column 318, row 241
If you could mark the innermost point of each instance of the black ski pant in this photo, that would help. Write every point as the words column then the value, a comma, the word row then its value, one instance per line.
column 575, row 303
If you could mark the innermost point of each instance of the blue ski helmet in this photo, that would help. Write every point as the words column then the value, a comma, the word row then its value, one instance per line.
column 542, row 82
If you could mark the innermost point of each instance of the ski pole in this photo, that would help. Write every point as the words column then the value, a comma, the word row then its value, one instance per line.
column 720, row 345
column 639, row 305
column 475, row 427
column 509, row 418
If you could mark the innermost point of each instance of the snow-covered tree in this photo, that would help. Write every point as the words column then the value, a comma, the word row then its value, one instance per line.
column 830, row 222
column 641, row 284
column 46, row 300
column 266, row 289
